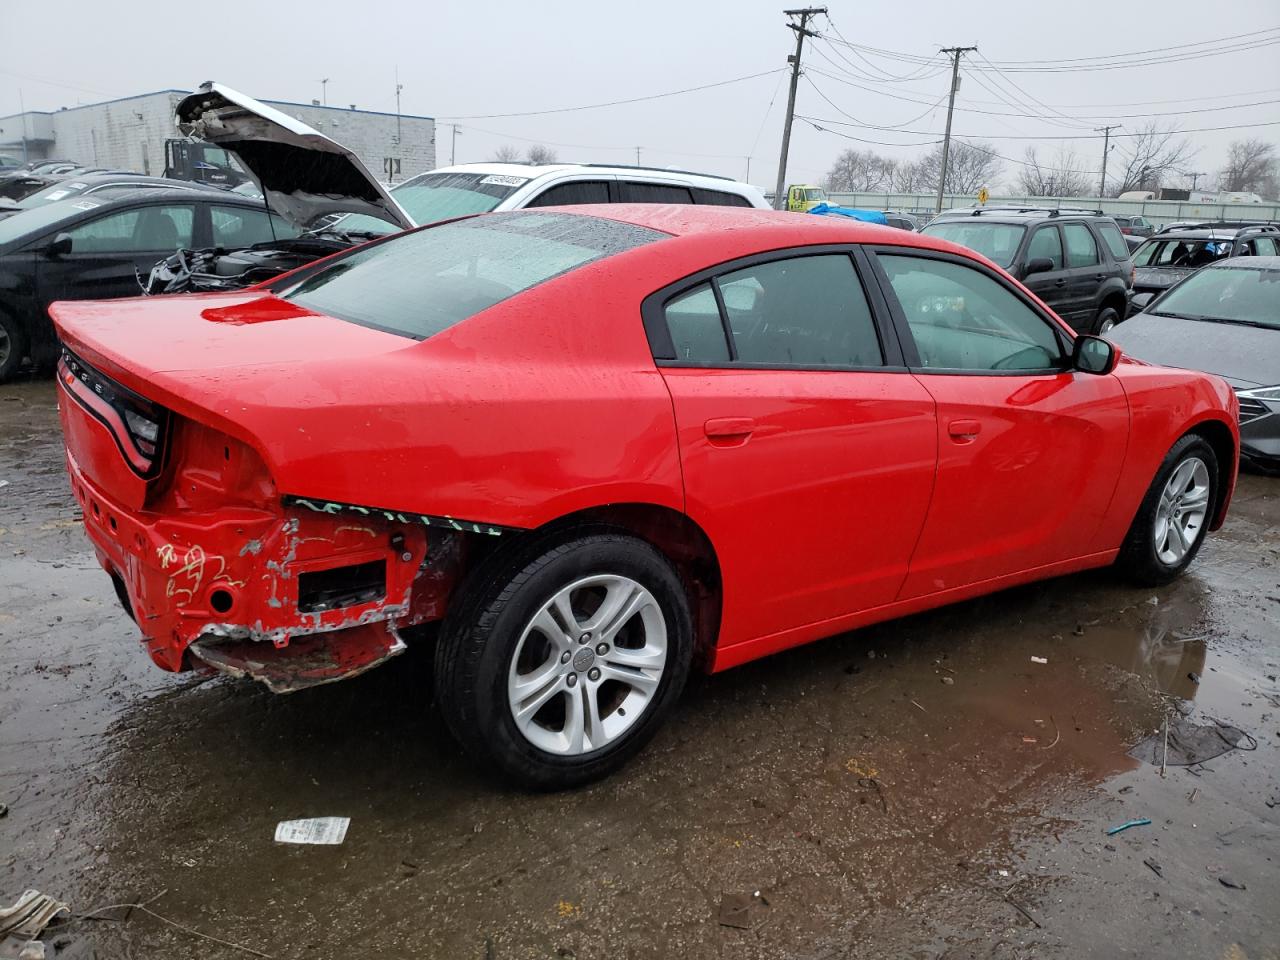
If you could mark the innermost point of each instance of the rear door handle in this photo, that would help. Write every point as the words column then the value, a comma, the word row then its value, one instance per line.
column 729, row 428
column 1060, row 283
column 962, row 431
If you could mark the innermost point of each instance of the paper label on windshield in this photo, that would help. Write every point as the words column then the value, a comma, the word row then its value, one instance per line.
column 504, row 181
column 57, row 195
column 86, row 205
column 327, row 830
column 77, row 186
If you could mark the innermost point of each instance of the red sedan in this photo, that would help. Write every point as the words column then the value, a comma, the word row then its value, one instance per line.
column 602, row 446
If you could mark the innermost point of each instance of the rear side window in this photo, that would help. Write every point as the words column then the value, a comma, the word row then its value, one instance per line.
column 1045, row 242
column 807, row 311
column 1082, row 249
column 697, row 331
column 565, row 194
column 1266, row 247
column 654, row 193
column 1114, row 240
column 420, row 283
column 719, row 198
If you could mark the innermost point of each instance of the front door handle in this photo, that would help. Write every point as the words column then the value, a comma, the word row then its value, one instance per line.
column 964, row 431
column 1060, row 283
column 729, row 429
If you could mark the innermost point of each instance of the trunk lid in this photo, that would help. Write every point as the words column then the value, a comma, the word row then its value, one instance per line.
column 303, row 173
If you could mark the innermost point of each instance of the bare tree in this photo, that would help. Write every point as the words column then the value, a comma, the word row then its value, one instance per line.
column 860, row 171
column 506, row 154
column 1063, row 177
column 1150, row 157
column 969, row 166
column 540, row 154
column 908, row 178
column 1251, row 168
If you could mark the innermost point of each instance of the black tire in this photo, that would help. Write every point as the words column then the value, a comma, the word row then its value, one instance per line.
column 1107, row 318
column 13, row 346
column 1139, row 559
column 481, row 634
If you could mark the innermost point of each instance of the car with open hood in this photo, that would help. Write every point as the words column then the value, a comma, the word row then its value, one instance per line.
column 98, row 246
column 323, row 188
column 1223, row 318
column 602, row 446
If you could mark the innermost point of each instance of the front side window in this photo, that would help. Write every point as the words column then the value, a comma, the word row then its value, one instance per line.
column 635, row 192
column 1045, row 242
column 805, row 311
column 235, row 227
column 1181, row 252
column 998, row 242
column 566, row 194
column 1082, row 249
column 134, row 231
column 420, row 283
column 962, row 319
column 1266, row 247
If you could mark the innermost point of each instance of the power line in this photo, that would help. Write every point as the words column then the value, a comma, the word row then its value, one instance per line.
column 892, row 78
column 614, row 103
column 848, row 136
column 861, row 123
column 1083, row 136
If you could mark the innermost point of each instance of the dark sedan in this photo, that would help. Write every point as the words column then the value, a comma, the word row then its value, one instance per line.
column 91, row 248
column 1224, row 319
column 92, row 184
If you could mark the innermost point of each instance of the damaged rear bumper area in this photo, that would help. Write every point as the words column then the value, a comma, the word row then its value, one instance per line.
column 218, row 569
column 293, row 599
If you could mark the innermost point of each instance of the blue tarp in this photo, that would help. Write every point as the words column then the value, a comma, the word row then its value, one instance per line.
column 866, row 216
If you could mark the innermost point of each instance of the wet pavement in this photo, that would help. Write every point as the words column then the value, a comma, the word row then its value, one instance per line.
column 919, row 789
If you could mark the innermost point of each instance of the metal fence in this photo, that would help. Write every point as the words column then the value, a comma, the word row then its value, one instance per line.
column 1159, row 212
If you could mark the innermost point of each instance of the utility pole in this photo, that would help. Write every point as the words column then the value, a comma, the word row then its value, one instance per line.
column 956, row 54
column 324, row 96
column 1106, row 149
column 453, row 145
column 1194, row 177
column 637, row 156
column 399, row 87
column 802, row 30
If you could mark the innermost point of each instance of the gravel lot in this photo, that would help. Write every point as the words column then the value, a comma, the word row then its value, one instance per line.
column 919, row 789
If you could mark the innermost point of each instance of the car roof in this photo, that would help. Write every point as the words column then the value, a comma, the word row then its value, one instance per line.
column 533, row 171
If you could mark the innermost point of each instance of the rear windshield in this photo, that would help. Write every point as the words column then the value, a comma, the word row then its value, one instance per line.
column 440, row 196
column 1243, row 294
column 997, row 242
column 1175, row 252
column 421, row 283
column 53, row 193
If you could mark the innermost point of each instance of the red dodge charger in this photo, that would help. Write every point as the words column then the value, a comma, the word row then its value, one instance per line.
column 603, row 446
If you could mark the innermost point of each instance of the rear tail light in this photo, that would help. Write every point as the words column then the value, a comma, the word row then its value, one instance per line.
column 137, row 424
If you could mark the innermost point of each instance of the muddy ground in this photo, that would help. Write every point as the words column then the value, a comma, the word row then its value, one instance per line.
column 920, row 789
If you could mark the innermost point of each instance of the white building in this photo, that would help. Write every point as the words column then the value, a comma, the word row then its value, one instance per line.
column 129, row 134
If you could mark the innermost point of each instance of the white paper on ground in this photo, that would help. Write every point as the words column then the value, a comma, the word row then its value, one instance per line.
column 332, row 830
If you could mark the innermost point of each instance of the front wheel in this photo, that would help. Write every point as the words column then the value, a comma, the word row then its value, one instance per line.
column 568, row 661
column 1175, row 515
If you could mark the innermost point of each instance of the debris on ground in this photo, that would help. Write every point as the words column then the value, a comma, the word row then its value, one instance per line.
column 1039, row 659
column 1190, row 743
column 1112, row 831
column 1234, row 885
column 23, row 922
column 1154, row 867
column 739, row 910
column 317, row 830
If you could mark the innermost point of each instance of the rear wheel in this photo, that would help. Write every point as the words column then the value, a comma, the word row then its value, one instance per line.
column 567, row 661
column 1106, row 320
column 1175, row 515
column 13, row 346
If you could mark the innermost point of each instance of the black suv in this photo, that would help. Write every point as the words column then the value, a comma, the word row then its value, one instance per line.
column 1076, row 261
column 1180, row 250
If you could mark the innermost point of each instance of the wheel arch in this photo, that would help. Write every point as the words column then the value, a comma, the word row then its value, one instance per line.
column 1220, row 437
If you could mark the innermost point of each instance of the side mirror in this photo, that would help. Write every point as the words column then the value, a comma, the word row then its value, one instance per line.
column 1140, row 301
column 60, row 246
column 1094, row 355
column 1038, row 265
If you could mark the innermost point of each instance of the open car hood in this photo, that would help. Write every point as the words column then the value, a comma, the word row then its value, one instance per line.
column 302, row 173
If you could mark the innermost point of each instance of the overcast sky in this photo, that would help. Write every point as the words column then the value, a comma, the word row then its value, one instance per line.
column 467, row 59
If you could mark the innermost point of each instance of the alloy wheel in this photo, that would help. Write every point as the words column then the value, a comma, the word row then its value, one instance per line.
column 1182, row 511
column 587, row 665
